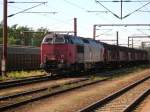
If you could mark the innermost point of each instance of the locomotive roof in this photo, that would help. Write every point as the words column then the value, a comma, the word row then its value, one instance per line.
column 82, row 40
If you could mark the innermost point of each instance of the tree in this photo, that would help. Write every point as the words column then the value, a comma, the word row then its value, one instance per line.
column 38, row 36
column 18, row 36
column 23, row 35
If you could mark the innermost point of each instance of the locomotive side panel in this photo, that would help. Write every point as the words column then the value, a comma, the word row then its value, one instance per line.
column 87, row 53
column 71, row 54
column 97, row 51
column 79, row 54
column 46, row 52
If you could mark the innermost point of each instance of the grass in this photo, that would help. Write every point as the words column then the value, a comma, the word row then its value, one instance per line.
column 21, row 74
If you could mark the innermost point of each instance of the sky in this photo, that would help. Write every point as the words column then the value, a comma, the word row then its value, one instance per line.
column 81, row 9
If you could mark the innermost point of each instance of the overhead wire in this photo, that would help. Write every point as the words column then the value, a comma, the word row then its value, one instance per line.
column 108, row 9
column 25, row 10
column 66, row 21
column 75, row 5
column 123, row 1
column 58, row 21
column 105, row 32
column 145, row 7
column 136, row 10
column 82, row 8
column 142, row 32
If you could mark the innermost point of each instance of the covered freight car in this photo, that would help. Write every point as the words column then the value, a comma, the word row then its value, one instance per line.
column 118, row 55
column 22, row 57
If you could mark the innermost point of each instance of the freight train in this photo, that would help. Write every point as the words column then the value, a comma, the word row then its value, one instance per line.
column 61, row 52
column 22, row 58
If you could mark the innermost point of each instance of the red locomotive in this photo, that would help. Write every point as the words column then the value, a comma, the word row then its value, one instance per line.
column 67, row 52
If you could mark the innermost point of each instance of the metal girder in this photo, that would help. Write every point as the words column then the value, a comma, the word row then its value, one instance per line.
column 125, row 25
column 139, row 37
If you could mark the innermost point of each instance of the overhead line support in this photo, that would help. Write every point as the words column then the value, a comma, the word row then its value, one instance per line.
column 4, row 57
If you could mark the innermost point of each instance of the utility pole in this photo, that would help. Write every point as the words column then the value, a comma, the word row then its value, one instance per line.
column 94, row 31
column 117, row 39
column 75, row 26
column 4, row 58
column 132, row 42
column 121, row 8
column 117, row 42
column 142, row 45
column 128, row 41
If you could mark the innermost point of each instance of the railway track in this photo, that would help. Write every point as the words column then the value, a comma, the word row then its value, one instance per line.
column 7, row 102
column 143, row 106
column 124, row 100
column 21, row 98
column 20, row 82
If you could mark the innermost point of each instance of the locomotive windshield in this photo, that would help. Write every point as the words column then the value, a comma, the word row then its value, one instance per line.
column 54, row 39
column 59, row 40
column 48, row 40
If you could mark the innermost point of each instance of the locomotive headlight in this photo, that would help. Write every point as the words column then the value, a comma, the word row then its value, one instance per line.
column 62, row 56
column 62, row 60
column 45, row 58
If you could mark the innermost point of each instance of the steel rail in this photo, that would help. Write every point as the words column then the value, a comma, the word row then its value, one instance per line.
column 137, row 101
column 20, row 82
column 37, row 90
column 112, row 96
column 52, row 93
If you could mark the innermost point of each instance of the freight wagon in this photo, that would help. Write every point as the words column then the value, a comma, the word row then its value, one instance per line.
column 22, row 58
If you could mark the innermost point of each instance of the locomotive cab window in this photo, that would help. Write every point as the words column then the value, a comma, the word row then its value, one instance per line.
column 59, row 40
column 48, row 40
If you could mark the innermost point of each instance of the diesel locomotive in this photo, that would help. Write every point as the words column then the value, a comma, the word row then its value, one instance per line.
column 72, row 53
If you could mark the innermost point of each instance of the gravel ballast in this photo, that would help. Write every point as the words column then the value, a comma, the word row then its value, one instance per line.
column 75, row 100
